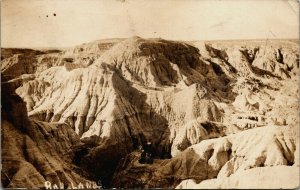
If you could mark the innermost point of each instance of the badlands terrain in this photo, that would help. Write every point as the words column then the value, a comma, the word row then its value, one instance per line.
column 216, row 114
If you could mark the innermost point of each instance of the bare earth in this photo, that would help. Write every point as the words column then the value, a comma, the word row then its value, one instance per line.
column 218, row 114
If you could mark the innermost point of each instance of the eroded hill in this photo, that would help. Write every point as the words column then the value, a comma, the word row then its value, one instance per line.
column 209, row 109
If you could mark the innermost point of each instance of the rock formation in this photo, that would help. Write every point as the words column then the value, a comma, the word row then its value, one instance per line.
column 213, row 111
column 34, row 152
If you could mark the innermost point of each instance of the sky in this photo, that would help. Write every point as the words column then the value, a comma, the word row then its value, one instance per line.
column 65, row 23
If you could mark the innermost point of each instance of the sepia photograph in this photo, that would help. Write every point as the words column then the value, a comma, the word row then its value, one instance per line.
column 144, row 94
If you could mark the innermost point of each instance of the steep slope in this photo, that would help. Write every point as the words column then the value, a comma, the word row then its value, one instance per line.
column 35, row 152
column 126, row 87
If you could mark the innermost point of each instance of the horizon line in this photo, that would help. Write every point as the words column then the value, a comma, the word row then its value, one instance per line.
column 208, row 40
